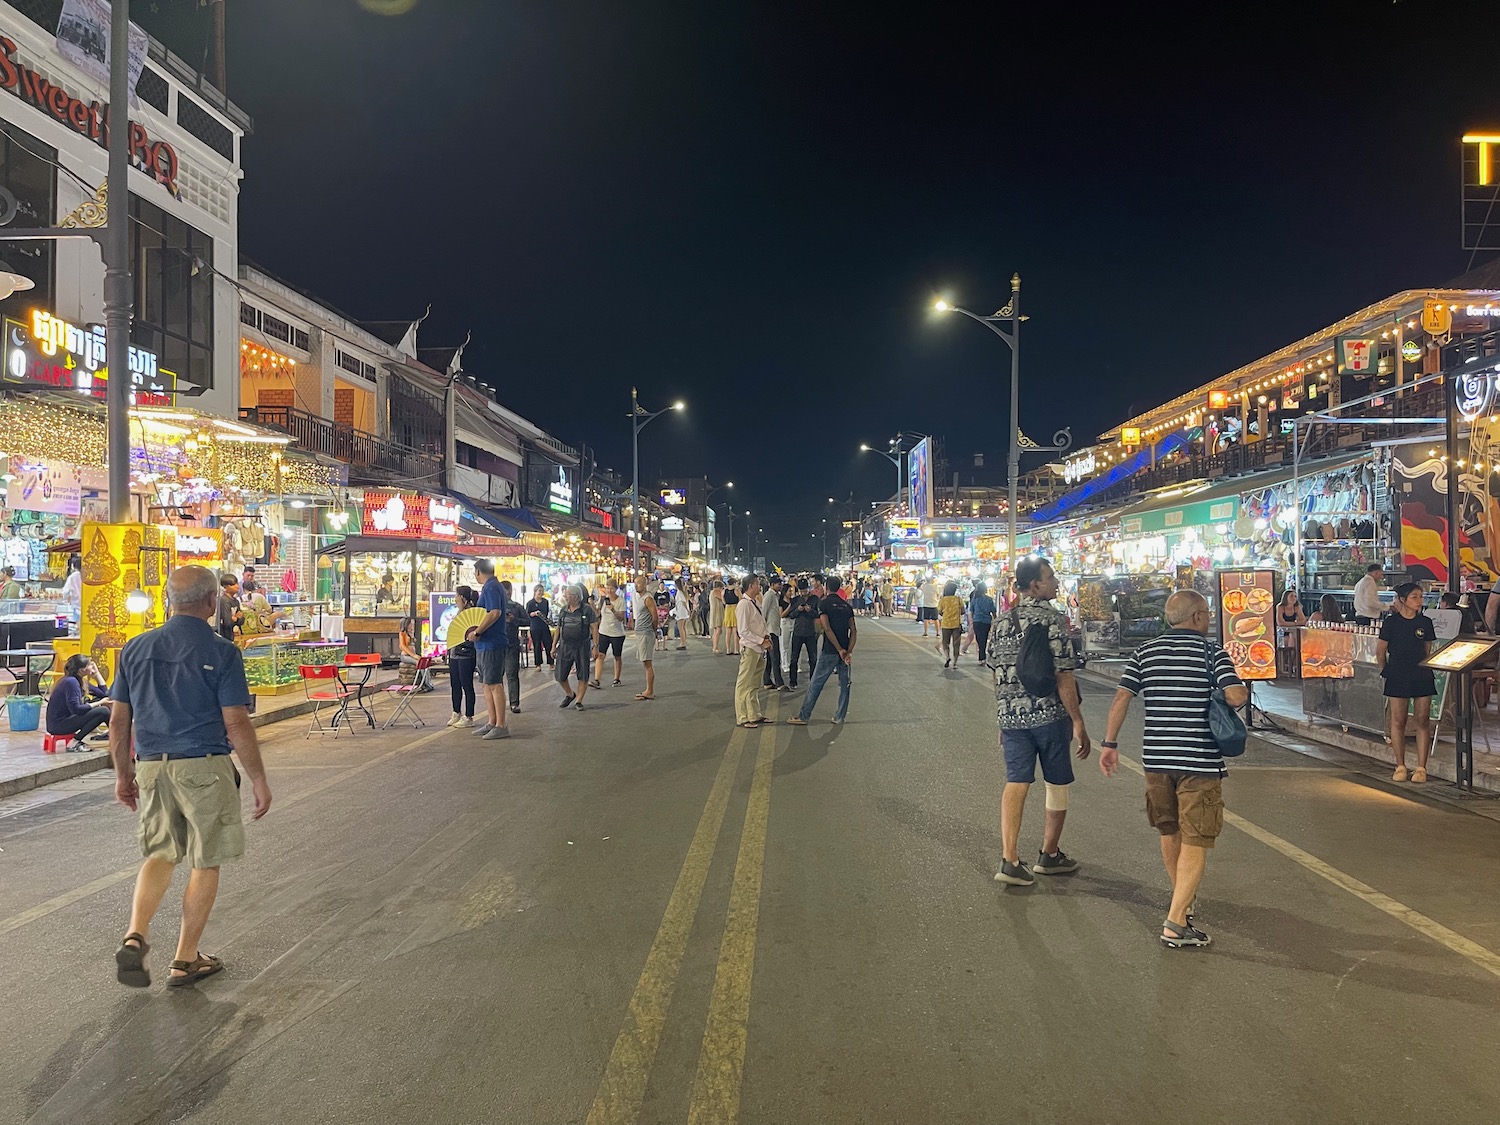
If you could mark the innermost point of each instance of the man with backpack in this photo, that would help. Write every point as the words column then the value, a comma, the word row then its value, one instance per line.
column 1037, row 702
column 1177, row 674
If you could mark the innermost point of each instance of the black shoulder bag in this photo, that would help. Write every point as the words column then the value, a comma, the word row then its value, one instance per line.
column 1035, row 666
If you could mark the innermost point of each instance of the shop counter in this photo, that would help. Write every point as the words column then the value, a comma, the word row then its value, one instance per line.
column 1340, row 681
column 272, row 661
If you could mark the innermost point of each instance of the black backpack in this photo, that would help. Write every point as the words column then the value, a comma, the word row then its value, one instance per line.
column 1036, row 667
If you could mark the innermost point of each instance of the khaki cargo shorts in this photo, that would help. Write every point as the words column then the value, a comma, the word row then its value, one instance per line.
column 190, row 809
column 1190, row 803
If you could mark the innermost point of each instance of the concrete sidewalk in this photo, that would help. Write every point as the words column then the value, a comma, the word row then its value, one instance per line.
column 25, row 765
column 1279, row 710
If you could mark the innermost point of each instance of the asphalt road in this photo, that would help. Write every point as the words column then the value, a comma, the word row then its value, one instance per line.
column 636, row 913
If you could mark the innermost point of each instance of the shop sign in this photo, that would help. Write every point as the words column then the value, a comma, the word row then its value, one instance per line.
column 406, row 515
column 671, row 497
column 54, row 486
column 1188, row 515
column 1411, row 350
column 1356, row 356
column 202, row 543
column 58, row 353
column 560, row 493
column 1482, row 310
column 1472, row 392
column 1291, row 396
column 671, row 523
column 905, row 531
column 157, row 159
column 1437, row 318
column 601, row 516
column 1218, row 400
column 1130, row 436
column 1079, row 467
column 910, row 553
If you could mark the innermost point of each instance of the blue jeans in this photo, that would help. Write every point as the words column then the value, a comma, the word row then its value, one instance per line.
column 828, row 662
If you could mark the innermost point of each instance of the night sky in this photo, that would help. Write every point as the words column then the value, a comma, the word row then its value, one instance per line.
column 751, row 206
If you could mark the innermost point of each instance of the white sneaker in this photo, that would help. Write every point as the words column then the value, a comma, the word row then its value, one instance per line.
column 456, row 721
column 463, row 723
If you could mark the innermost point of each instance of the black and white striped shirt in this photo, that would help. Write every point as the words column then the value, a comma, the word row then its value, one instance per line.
column 1171, row 672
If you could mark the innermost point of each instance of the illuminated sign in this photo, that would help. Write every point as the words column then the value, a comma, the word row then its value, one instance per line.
column 1079, row 467
column 910, row 553
column 1130, row 435
column 919, row 478
column 203, row 543
column 1437, row 318
column 53, row 486
column 560, row 492
column 61, row 354
column 671, row 497
column 157, row 159
column 1218, row 400
column 602, row 516
column 406, row 515
column 905, row 531
column 671, row 523
column 1472, row 392
column 1481, row 310
column 1356, row 356
column 1411, row 351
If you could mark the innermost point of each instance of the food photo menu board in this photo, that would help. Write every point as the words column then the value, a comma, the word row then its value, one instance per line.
column 1247, row 621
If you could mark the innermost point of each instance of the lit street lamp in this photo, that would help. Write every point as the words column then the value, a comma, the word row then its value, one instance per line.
column 1011, row 313
column 898, row 459
column 639, row 419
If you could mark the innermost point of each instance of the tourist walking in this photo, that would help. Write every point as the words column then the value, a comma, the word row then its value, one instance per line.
column 701, row 601
column 644, row 610
column 1406, row 637
column 950, row 623
column 931, row 593
column 1038, row 721
column 491, row 639
column 682, row 614
column 462, row 660
column 539, row 618
column 770, row 609
column 180, row 702
column 609, row 610
column 836, row 616
column 755, row 643
column 716, row 613
column 1177, row 673
column 575, row 622
column 982, row 614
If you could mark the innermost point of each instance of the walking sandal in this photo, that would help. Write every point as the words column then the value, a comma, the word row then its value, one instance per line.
column 195, row 970
column 1183, row 937
column 130, row 962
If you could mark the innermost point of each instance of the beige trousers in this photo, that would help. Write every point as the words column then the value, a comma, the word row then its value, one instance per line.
column 747, row 703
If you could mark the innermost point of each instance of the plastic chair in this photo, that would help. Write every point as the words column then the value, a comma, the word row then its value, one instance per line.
column 321, row 684
column 404, row 694
column 52, row 743
column 368, row 662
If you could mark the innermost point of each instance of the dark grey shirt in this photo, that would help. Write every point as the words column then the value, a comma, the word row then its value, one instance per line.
column 177, row 679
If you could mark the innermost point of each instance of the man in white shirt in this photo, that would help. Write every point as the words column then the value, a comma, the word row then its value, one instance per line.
column 610, row 608
column 1367, row 607
column 755, row 642
column 770, row 607
column 931, row 592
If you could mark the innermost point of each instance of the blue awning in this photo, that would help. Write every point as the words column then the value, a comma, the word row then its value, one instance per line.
column 1089, row 489
column 479, row 520
column 520, row 517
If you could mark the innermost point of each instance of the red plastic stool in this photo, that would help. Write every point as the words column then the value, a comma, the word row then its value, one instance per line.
column 53, row 742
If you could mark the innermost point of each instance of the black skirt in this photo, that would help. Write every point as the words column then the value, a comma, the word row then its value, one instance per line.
column 1418, row 683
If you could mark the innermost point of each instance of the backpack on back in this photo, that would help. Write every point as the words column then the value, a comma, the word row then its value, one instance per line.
column 1036, row 667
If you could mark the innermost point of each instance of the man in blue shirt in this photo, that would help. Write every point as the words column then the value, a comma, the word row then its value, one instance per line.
column 180, row 695
column 491, row 642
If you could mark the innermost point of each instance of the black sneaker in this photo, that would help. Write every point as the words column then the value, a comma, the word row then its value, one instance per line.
column 1014, row 873
column 1058, row 863
column 567, row 701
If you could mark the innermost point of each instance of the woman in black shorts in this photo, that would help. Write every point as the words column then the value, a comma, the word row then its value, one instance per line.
column 1406, row 636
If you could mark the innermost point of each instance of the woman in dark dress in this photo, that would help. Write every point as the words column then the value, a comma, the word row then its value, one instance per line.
column 1406, row 636
column 539, row 617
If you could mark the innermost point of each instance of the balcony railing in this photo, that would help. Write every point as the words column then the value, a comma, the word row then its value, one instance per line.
column 361, row 451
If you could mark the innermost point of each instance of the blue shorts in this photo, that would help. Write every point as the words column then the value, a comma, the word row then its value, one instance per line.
column 1024, row 747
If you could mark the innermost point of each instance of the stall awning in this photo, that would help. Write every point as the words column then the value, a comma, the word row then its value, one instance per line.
column 521, row 517
column 383, row 545
column 481, row 520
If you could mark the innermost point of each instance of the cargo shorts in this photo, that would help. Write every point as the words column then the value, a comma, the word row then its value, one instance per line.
column 1189, row 803
column 190, row 809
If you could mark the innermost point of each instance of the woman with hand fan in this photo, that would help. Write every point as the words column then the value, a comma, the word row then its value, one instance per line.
column 462, row 659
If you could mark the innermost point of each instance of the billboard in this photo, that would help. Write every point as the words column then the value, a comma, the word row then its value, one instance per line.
column 919, row 478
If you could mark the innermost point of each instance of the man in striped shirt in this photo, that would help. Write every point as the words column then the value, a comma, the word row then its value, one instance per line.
column 1177, row 673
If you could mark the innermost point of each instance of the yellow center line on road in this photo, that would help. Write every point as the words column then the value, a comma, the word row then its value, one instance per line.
column 1450, row 939
column 721, row 1065
column 622, row 1089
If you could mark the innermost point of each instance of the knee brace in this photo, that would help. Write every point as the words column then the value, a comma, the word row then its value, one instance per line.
column 1057, row 797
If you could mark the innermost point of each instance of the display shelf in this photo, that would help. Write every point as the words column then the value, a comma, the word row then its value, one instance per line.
column 272, row 663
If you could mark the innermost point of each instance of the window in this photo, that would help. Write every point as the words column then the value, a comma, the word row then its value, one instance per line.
column 249, row 314
column 171, row 264
column 28, row 172
column 353, row 364
column 275, row 328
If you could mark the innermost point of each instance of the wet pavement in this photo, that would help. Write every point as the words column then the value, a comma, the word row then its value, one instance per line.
column 636, row 913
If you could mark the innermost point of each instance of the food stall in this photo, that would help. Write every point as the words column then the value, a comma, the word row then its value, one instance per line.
column 1340, row 680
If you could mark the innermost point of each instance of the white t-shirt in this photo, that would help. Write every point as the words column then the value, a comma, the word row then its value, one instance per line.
column 609, row 624
column 1367, row 597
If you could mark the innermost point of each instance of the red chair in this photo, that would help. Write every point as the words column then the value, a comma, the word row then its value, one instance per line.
column 322, row 685
column 52, row 743
column 404, row 693
column 366, row 662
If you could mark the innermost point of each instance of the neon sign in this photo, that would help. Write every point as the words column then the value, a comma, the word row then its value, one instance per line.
column 61, row 354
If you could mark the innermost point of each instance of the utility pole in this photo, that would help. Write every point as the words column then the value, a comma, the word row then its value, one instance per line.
column 118, row 298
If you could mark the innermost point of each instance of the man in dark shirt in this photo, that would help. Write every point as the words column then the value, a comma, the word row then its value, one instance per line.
column 180, row 696
column 836, row 616
column 575, row 622
column 803, row 610
column 491, row 642
column 230, row 615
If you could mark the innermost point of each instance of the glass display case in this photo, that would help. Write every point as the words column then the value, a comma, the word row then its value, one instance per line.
column 385, row 583
column 272, row 662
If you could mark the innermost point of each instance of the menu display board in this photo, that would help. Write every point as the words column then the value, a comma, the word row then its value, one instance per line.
column 1460, row 655
column 1247, row 626
column 1327, row 654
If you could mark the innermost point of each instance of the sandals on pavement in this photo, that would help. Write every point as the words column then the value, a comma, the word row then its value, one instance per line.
column 195, row 970
column 1183, row 937
column 613, row 683
column 643, row 695
column 750, row 726
column 130, row 962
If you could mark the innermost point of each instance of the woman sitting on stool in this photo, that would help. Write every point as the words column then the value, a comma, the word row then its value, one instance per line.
column 68, row 711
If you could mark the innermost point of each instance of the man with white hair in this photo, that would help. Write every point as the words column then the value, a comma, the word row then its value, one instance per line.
column 1177, row 673
column 180, row 695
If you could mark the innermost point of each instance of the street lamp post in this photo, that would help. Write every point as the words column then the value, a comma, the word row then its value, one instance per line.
column 708, row 491
column 640, row 418
column 897, row 459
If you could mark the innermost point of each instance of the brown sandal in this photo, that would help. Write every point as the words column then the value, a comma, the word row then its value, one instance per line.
column 195, row 970
column 130, row 962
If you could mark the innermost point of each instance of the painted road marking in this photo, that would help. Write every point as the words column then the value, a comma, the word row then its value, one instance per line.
column 622, row 1089
column 721, row 1065
column 1450, row 939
